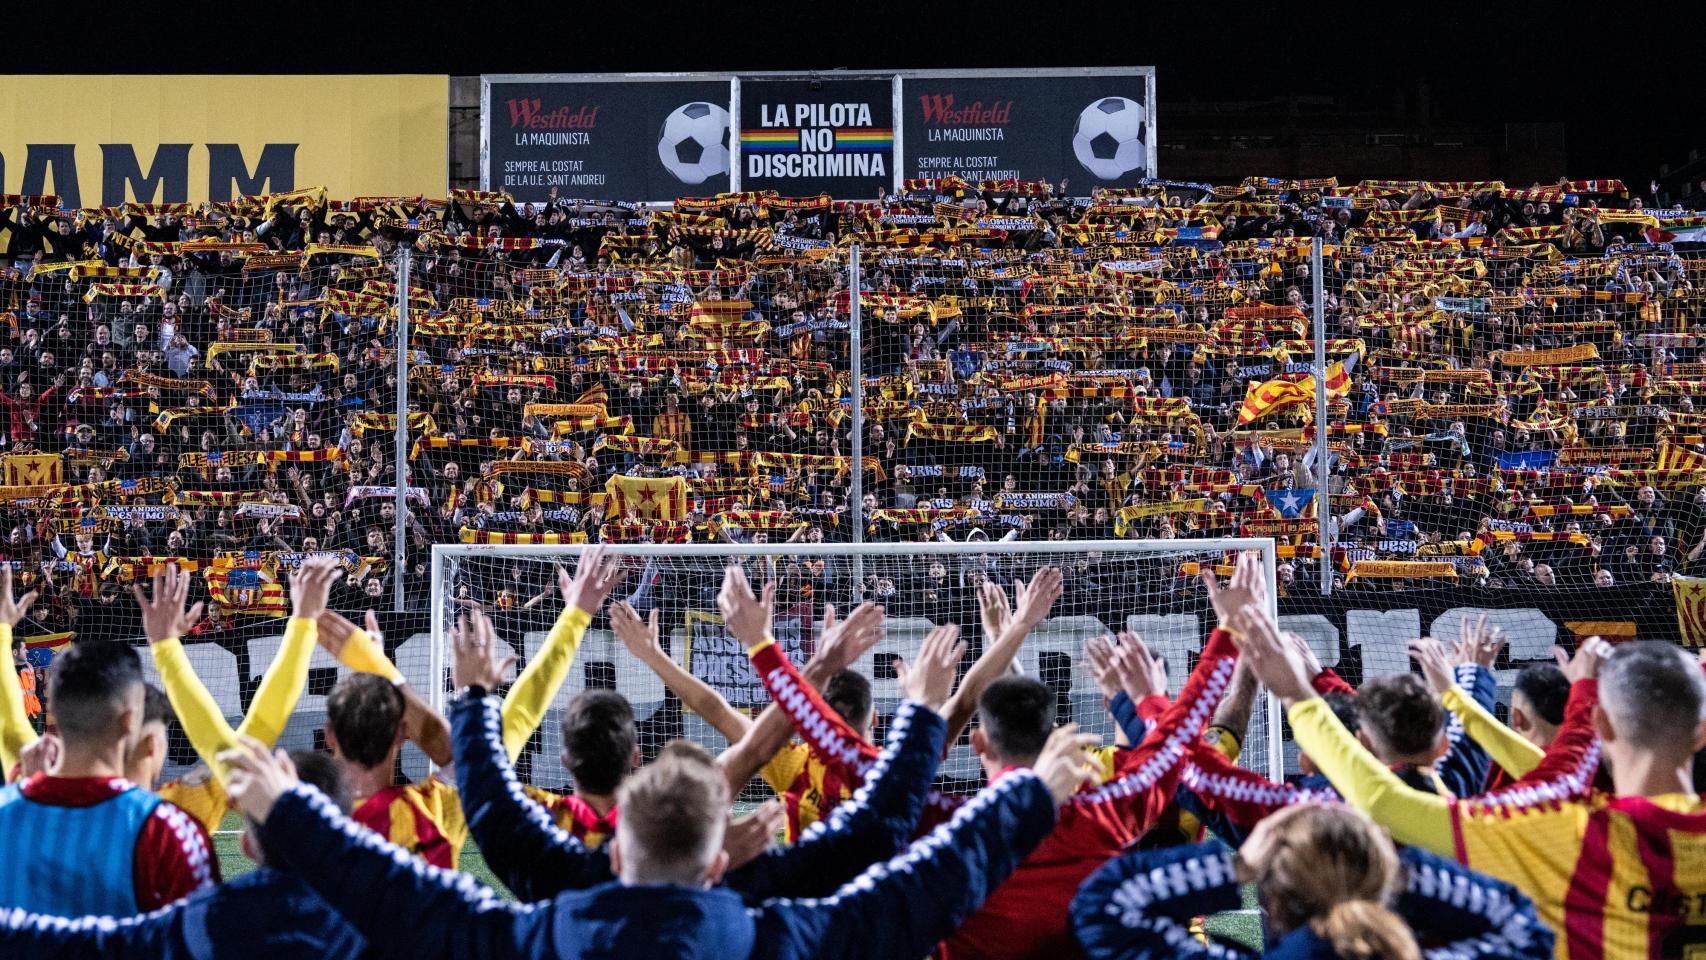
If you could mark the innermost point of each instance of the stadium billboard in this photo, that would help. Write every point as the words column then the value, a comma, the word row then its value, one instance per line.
column 651, row 137
column 1094, row 126
column 106, row 140
column 812, row 134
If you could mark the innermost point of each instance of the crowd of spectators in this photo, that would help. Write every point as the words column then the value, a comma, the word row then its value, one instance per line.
column 1511, row 378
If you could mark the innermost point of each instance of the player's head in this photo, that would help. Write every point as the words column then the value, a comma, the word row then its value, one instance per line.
column 1652, row 704
column 1015, row 716
column 1537, row 702
column 364, row 720
column 848, row 693
column 1401, row 721
column 319, row 771
column 1329, row 868
column 1344, row 706
column 670, row 818
column 147, row 755
column 600, row 747
column 96, row 695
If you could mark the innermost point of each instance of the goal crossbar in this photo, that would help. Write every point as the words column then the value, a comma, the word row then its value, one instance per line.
column 444, row 556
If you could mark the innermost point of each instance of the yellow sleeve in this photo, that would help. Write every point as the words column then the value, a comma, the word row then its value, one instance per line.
column 204, row 799
column 282, row 684
column 202, row 720
column 784, row 768
column 1413, row 817
column 363, row 655
column 1104, row 757
column 1225, row 741
column 532, row 692
column 447, row 812
column 1508, row 748
column 15, row 730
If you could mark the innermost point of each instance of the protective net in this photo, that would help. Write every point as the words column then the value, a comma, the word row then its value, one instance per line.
column 1147, row 587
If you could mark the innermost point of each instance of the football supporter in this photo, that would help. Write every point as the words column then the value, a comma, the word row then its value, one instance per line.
column 1611, row 872
column 1331, row 886
column 27, row 682
column 668, row 857
column 261, row 915
column 81, row 838
column 537, row 860
column 371, row 712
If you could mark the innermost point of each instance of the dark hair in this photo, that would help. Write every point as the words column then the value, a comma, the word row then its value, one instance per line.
column 324, row 774
column 365, row 713
column 1546, row 689
column 849, row 694
column 1653, row 692
column 1344, row 706
column 598, row 740
column 1401, row 712
column 155, row 707
column 89, row 686
column 1016, row 714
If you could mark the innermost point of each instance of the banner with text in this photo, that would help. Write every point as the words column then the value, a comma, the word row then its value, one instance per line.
column 623, row 138
column 1094, row 130
column 805, row 136
column 103, row 141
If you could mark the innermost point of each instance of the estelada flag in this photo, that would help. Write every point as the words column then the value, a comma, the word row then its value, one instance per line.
column 1273, row 396
column 1690, row 595
column 651, row 498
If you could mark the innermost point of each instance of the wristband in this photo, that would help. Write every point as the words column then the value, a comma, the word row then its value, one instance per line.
column 472, row 691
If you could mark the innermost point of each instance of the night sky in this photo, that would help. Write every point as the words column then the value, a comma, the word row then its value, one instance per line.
column 1623, row 78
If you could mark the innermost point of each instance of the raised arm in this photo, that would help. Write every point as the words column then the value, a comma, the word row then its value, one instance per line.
column 1464, row 767
column 1004, row 633
column 352, row 645
column 165, row 621
column 520, row 841
column 531, row 694
column 15, row 730
column 640, row 637
column 1413, row 817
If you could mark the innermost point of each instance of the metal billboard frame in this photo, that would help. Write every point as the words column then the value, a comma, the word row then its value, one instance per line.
column 897, row 77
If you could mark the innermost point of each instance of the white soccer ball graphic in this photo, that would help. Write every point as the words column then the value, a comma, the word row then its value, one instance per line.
column 694, row 143
column 1110, row 139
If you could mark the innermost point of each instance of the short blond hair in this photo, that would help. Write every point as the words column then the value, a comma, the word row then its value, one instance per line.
column 670, row 817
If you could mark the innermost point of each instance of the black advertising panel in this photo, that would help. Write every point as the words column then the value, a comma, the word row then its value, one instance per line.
column 806, row 136
column 623, row 139
column 1093, row 130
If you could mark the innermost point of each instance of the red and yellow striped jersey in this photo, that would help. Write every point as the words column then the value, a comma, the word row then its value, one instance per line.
column 1613, row 876
column 576, row 816
column 809, row 788
column 423, row 818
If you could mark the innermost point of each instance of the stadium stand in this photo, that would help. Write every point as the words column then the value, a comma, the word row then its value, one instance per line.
column 1511, row 383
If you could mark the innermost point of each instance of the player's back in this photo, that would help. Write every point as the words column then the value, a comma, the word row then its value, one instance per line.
column 1027, row 916
column 1614, row 876
column 72, row 846
column 424, row 818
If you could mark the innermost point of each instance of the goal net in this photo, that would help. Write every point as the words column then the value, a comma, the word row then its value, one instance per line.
column 1147, row 587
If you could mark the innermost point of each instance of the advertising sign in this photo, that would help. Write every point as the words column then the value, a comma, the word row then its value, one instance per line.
column 631, row 137
column 106, row 140
column 802, row 136
column 1091, row 127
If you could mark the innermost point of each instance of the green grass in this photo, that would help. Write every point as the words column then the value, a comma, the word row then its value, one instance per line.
column 1242, row 926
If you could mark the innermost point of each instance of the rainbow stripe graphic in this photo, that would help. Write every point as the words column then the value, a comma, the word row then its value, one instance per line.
column 787, row 140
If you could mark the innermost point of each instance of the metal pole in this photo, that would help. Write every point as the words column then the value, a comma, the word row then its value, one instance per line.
column 1323, row 500
column 399, row 548
column 856, row 491
column 1275, row 712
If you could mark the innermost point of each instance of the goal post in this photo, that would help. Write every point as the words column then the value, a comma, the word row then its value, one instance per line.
column 1145, row 586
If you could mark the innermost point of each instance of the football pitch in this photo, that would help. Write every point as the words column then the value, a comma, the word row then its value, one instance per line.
column 1240, row 926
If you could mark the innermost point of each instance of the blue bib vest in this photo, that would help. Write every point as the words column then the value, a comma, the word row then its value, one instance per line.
column 71, row 861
